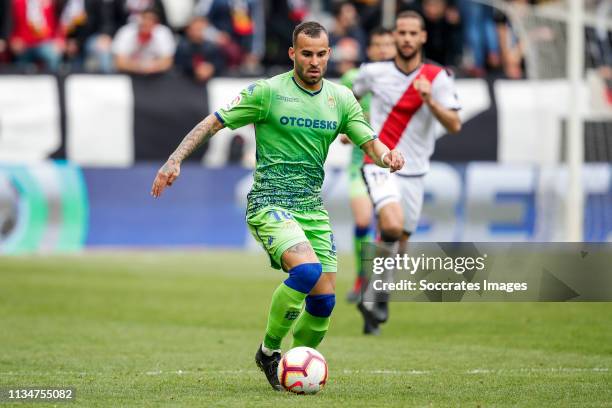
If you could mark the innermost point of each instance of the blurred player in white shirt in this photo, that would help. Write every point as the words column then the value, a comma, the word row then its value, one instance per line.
column 381, row 47
column 410, row 100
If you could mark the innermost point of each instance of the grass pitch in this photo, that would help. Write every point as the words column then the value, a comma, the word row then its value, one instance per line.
column 181, row 329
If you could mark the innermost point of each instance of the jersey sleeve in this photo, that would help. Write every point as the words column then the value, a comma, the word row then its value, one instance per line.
column 354, row 124
column 348, row 78
column 444, row 91
column 362, row 82
column 250, row 106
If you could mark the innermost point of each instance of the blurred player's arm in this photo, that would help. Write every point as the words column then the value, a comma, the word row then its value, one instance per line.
column 344, row 139
column 199, row 135
column 449, row 118
column 382, row 156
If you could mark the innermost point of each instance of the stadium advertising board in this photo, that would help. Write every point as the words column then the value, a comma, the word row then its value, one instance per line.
column 43, row 208
column 56, row 206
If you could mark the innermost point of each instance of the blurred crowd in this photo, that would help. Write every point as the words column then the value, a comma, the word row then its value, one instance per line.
column 204, row 38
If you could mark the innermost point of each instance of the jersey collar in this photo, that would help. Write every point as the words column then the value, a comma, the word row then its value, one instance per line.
column 407, row 73
column 306, row 90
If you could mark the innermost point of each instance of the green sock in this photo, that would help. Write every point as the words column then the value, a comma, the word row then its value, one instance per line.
column 284, row 309
column 309, row 330
column 358, row 240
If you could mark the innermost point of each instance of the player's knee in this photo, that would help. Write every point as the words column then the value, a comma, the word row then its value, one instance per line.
column 304, row 277
column 391, row 233
column 363, row 220
column 320, row 305
column 391, row 229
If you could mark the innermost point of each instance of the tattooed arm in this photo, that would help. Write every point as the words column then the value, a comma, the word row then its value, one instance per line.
column 199, row 135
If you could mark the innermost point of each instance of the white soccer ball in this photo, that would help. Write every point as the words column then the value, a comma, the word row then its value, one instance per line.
column 302, row 370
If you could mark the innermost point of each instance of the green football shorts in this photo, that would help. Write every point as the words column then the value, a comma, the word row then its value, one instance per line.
column 357, row 187
column 278, row 229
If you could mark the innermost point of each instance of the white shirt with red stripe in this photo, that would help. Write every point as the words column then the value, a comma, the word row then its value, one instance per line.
column 397, row 112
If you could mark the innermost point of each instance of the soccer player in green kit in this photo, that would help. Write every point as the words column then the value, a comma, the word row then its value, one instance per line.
column 381, row 47
column 296, row 115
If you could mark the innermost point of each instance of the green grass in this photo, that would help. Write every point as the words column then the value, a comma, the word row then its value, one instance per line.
column 181, row 329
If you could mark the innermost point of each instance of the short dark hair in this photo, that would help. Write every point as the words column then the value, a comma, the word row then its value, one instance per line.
column 411, row 14
column 310, row 29
column 380, row 30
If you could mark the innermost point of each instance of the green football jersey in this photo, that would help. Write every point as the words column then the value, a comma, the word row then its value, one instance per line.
column 294, row 128
column 347, row 80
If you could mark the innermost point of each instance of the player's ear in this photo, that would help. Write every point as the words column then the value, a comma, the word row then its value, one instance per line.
column 292, row 53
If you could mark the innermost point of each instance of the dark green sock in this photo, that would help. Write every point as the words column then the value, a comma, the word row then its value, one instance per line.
column 309, row 330
column 361, row 236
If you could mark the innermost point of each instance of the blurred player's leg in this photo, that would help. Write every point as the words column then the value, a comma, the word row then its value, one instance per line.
column 380, row 308
column 412, row 191
column 361, row 206
column 362, row 212
column 390, row 221
column 387, row 200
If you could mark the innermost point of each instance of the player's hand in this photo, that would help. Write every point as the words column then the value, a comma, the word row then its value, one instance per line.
column 423, row 87
column 166, row 175
column 344, row 139
column 394, row 160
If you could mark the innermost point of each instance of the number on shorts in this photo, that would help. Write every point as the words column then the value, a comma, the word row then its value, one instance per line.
column 283, row 214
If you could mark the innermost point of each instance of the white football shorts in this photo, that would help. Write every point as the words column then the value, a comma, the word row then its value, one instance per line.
column 385, row 187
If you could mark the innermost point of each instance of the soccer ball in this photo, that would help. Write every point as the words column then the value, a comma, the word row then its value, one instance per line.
column 302, row 370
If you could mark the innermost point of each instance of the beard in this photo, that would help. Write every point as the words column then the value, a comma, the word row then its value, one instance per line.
column 303, row 74
column 408, row 56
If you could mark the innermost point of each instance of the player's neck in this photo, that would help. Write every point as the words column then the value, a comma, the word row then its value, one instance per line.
column 309, row 87
column 410, row 64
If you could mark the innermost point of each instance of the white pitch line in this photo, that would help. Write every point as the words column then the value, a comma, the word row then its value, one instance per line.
column 480, row 371
column 392, row 372
column 183, row 372
column 538, row 370
column 41, row 373
column 344, row 371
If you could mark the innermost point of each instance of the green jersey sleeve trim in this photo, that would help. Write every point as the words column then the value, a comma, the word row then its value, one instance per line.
column 219, row 117
column 372, row 137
